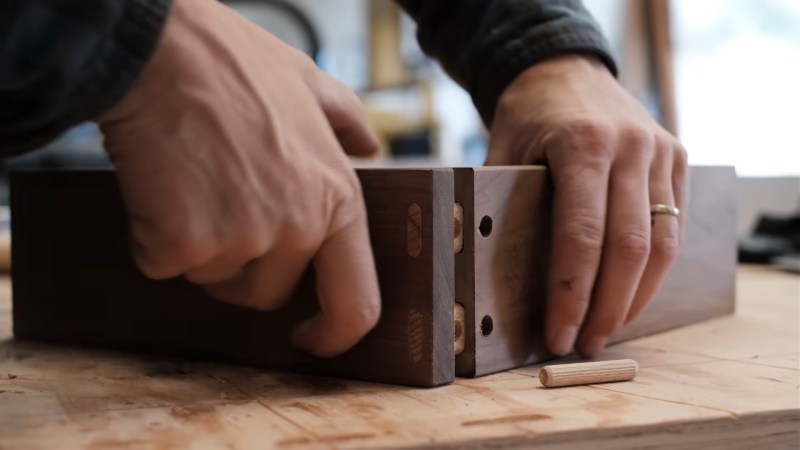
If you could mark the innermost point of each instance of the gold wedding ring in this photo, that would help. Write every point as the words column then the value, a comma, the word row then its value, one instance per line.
column 664, row 209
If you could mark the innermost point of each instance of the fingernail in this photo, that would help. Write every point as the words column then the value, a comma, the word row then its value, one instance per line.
column 565, row 340
column 595, row 344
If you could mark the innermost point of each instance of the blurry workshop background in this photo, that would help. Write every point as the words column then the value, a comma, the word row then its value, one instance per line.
column 720, row 74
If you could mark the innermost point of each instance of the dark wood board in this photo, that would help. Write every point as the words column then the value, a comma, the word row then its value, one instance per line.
column 701, row 284
column 74, row 281
column 503, row 275
column 502, row 271
column 464, row 269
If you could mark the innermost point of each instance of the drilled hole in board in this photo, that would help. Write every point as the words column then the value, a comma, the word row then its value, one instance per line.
column 486, row 226
column 487, row 325
column 414, row 230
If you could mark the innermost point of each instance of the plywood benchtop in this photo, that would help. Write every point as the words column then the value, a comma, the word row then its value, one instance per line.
column 726, row 383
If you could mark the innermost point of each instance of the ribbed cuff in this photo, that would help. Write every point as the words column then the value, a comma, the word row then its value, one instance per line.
column 70, row 90
column 133, row 43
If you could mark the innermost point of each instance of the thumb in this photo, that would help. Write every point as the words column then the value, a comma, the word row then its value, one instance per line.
column 346, row 116
column 347, row 288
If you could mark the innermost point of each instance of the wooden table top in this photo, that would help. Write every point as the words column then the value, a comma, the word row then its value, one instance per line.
column 732, row 382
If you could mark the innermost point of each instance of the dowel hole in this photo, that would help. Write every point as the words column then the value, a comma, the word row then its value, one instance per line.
column 487, row 326
column 486, row 226
column 414, row 230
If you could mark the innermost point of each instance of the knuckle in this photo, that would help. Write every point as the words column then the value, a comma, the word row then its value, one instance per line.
column 173, row 256
column 575, row 310
column 633, row 246
column 591, row 129
column 681, row 156
column 608, row 325
column 336, row 94
column 666, row 248
column 301, row 236
column 637, row 137
column 302, row 60
column 256, row 243
column 154, row 268
column 347, row 98
column 585, row 234
column 347, row 202
column 266, row 303
column 248, row 296
column 590, row 135
column 189, row 251
column 366, row 316
column 199, row 278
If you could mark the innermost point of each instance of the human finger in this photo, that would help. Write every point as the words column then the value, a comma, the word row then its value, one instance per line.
column 347, row 287
column 266, row 283
column 219, row 269
column 579, row 209
column 627, row 244
column 347, row 118
column 665, row 242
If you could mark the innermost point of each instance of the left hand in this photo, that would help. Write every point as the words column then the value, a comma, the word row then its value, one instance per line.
column 609, row 161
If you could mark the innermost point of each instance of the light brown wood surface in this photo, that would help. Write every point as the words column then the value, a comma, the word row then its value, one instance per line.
column 727, row 383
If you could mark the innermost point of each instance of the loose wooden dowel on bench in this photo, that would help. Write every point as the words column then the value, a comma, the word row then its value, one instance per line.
column 588, row 373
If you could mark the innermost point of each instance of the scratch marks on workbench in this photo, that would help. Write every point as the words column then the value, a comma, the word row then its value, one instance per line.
column 308, row 385
column 734, row 415
column 769, row 379
column 106, row 443
column 166, row 370
column 506, row 419
column 187, row 412
column 9, row 355
column 301, row 441
column 489, row 393
column 202, row 415
column 314, row 410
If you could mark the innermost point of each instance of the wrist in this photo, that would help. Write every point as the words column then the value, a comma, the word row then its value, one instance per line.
column 157, row 72
column 569, row 66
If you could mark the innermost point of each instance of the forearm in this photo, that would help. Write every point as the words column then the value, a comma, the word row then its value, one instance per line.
column 63, row 63
column 485, row 44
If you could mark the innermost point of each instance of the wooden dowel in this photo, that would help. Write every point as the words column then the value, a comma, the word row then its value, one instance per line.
column 458, row 228
column 460, row 338
column 588, row 373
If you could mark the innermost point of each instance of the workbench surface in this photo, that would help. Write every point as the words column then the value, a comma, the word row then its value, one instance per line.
column 733, row 382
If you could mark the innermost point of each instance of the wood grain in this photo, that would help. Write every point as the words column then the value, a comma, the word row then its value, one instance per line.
column 500, row 276
column 503, row 275
column 497, row 219
column 727, row 383
column 75, row 282
column 701, row 283
column 575, row 374
column 464, row 282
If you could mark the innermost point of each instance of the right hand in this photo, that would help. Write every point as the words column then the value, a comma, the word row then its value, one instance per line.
column 230, row 152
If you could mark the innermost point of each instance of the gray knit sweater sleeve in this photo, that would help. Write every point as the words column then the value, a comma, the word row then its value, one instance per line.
column 485, row 44
column 64, row 62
